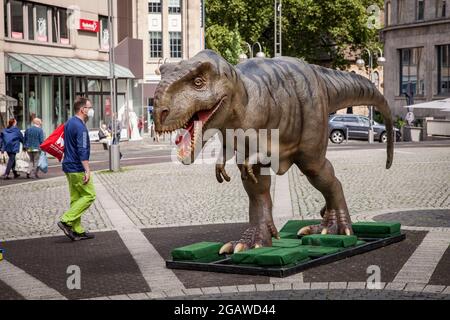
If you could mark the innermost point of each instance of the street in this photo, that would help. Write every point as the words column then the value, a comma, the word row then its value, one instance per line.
column 154, row 205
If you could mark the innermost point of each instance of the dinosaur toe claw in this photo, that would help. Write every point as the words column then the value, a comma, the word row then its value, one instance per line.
column 239, row 247
column 304, row 231
column 226, row 248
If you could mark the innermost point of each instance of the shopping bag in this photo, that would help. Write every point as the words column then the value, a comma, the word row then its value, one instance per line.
column 43, row 162
column 54, row 144
column 22, row 161
column 3, row 164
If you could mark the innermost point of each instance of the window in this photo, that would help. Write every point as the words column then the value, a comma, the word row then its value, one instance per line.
column 444, row 69
column 154, row 6
column 401, row 11
column 388, row 14
column 376, row 79
column 441, row 8
column 175, row 44
column 16, row 19
column 25, row 20
column 104, row 33
column 351, row 119
column 155, row 44
column 420, row 9
column 41, row 23
column 30, row 21
column 364, row 122
column 412, row 71
column 174, row 6
column 63, row 17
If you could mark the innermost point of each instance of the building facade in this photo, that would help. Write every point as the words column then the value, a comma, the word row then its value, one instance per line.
column 52, row 51
column 174, row 31
column 417, row 50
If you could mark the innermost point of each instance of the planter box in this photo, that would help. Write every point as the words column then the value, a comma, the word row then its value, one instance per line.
column 413, row 134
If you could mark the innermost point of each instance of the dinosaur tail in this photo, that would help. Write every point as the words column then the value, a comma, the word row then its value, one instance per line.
column 346, row 89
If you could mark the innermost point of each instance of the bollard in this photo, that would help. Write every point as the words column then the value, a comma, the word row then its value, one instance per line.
column 114, row 157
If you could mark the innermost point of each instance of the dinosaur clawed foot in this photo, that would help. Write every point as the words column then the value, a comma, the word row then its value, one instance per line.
column 221, row 173
column 334, row 222
column 247, row 172
column 253, row 237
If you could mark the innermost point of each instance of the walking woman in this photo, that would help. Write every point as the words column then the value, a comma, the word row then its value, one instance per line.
column 10, row 140
column 34, row 136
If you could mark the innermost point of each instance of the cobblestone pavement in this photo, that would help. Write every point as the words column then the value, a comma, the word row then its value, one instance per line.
column 418, row 179
column 171, row 194
column 162, row 195
column 33, row 209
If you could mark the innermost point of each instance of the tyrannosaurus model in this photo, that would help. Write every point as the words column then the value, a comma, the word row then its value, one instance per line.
column 281, row 93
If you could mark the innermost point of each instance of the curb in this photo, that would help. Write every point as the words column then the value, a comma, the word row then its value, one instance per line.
column 286, row 286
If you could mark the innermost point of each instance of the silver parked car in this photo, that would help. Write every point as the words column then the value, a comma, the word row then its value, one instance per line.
column 356, row 127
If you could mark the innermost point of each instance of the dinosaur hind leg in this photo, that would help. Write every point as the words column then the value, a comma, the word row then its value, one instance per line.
column 336, row 219
column 262, row 228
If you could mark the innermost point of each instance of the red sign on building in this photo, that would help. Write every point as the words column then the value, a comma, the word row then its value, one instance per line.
column 89, row 25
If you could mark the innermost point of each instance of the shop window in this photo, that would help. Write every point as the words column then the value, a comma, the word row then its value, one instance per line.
column 104, row 33
column 17, row 20
column 16, row 90
column 443, row 69
column 154, row 6
column 174, row 6
column 175, row 44
column 412, row 71
column 155, row 44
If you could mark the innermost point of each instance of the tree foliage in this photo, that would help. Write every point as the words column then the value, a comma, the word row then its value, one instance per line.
column 320, row 31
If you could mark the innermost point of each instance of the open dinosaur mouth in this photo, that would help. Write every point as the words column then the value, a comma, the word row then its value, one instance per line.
column 193, row 129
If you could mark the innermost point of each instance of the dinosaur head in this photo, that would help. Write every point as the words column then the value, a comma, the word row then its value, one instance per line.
column 193, row 95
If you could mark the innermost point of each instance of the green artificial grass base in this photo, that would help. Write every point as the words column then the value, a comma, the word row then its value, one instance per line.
column 376, row 228
column 330, row 240
column 282, row 257
column 197, row 251
column 293, row 226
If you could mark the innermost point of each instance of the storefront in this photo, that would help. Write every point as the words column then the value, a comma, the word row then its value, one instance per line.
column 46, row 87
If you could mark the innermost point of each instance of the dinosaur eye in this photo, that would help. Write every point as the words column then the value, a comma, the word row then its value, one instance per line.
column 199, row 82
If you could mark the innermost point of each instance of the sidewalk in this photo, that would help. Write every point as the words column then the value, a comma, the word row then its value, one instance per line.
column 143, row 212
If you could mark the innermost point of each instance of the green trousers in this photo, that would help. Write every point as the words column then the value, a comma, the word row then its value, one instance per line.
column 81, row 198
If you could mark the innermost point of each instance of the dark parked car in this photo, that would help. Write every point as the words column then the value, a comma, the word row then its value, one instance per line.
column 357, row 127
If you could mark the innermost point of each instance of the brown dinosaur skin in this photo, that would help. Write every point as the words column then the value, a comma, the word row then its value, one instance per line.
column 280, row 93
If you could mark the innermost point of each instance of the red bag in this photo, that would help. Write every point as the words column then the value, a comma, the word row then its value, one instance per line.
column 54, row 144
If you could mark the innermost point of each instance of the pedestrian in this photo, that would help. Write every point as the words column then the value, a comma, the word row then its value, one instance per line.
column 75, row 165
column 10, row 140
column 104, row 136
column 34, row 136
column 116, row 137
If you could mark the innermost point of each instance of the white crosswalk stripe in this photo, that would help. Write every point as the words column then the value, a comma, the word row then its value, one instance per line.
column 26, row 285
column 150, row 263
column 420, row 266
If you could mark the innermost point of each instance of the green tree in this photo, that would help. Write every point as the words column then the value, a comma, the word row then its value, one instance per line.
column 320, row 31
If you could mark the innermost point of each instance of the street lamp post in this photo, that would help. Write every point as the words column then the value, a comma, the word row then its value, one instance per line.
column 260, row 54
column 277, row 27
column 114, row 150
column 361, row 64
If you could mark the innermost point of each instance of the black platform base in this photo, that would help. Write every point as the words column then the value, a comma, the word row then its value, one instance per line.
column 227, row 266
